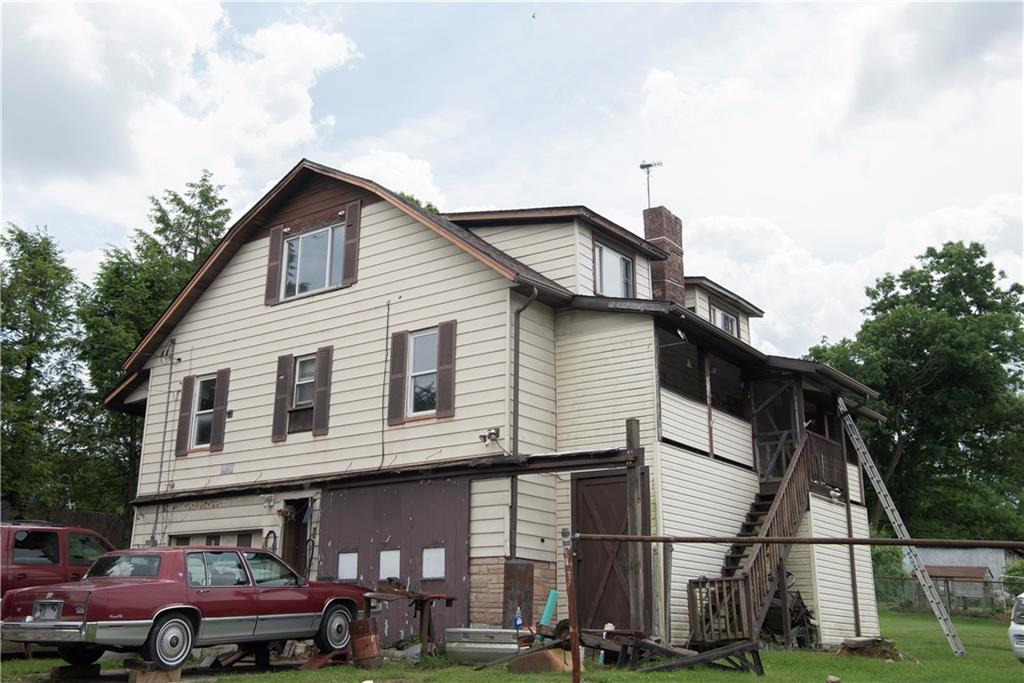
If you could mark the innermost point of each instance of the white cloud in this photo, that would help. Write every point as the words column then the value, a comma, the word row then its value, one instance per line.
column 399, row 172
column 805, row 295
column 142, row 97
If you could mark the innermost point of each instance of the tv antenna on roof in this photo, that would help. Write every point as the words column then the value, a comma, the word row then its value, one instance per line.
column 646, row 167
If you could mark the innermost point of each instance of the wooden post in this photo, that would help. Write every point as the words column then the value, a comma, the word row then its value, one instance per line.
column 634, row 516
column 787, row 617
column 666, row 551
column 570, row 589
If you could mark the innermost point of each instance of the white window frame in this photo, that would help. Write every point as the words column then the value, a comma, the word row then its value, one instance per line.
column 329, row 229
column 411, row 376
column 716, row 312
column 354, row 555
column 391, row 553
column 296, row 381
column 196, row 412
column 599, row 283
column 423, row 562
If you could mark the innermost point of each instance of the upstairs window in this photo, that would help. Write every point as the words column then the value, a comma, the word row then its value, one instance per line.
column 726, row 321
column 202, row 420
column 422, row 372
column 613, row 272
column 313, row 261
column 305, row 381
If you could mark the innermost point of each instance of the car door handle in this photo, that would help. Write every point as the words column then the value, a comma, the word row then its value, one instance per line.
column 203, row 590
column 75, row 575
column 21, row 575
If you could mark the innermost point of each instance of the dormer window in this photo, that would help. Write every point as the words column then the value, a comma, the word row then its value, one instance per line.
column 725, row 320
column 613, row 272
column 313, row 261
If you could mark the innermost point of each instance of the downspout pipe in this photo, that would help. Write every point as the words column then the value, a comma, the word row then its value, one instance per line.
column 514, row 481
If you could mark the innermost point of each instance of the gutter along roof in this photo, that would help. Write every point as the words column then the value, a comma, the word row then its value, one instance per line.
column 510, row 268
column 559, row 213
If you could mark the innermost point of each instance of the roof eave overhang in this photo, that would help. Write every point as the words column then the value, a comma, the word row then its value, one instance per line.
column 825, row 373
column 561, row 213
column 115, row 400
column 729, row 296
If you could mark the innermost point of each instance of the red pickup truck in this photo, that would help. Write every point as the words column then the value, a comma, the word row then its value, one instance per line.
column 162, row 602
column 39, row 553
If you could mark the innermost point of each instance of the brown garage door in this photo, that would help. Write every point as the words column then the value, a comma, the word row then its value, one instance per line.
column 417, row 532
column 602, row 588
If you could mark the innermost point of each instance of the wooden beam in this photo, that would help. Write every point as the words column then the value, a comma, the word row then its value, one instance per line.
column 634, row 517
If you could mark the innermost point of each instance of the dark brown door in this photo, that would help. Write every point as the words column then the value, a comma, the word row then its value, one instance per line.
column 602, row 584
column 415, row 532
column 295, row 534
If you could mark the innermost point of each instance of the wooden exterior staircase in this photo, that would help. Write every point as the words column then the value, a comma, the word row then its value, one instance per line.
column 734, row 605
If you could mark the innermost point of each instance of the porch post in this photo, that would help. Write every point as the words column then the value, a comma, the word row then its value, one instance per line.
column 634, row 517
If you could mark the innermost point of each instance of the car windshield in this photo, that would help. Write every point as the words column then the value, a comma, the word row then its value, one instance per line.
column 144, row 566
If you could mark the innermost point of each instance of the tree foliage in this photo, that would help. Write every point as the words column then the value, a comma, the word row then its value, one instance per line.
column 943, row 342
column 413, row 199
column 1013, row 577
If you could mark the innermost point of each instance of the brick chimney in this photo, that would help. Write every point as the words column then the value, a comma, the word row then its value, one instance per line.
column 665, row 230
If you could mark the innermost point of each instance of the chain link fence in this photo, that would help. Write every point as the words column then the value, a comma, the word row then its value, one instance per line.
column 962, row 597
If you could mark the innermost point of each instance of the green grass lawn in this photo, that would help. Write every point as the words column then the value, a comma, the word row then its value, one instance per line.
column 988, row 660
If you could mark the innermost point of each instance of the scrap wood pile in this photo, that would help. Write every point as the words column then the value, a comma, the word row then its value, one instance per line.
column 545, row 651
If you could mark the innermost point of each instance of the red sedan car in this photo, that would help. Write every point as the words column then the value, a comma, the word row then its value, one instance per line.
column 162, row 602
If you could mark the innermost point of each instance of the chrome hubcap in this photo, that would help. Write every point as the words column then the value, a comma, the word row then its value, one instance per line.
column 174, row 641
column 337, row 629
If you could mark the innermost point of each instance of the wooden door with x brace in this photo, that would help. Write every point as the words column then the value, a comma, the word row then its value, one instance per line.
column 602, row 587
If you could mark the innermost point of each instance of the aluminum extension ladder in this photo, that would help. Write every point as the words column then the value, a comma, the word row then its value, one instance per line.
column 901, row 531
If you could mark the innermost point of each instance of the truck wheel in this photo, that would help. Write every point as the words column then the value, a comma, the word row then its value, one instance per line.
column 170, row 641
column 80, row 655
column 334, row 629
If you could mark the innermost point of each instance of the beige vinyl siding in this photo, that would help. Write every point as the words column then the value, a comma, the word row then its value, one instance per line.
column 536, row 377
column 800, row 564
column 733, row 438
column 834, row 595
column 488, row 517
column 697, row 299
column 605, row 374
column 684, row 421
column 549, row 248
column 699, row 496
column 643, row 277
column 535, row 533
column 427, row 279
column 585, row 259
column 744, row 323
column 853, row 475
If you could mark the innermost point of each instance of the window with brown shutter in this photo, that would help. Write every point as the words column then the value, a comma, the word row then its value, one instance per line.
column 396, row 380
column 220, row 410
column 422, row 375
column 308, row 259
column 181, row 443
column 302, row 397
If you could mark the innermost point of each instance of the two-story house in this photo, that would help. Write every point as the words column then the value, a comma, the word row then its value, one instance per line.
column 333, row 379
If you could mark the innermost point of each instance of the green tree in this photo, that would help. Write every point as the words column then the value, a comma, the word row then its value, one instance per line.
column 133, row 287
column 943, row 342
column 44, row 415
column 1013, row 577
column 413, row 199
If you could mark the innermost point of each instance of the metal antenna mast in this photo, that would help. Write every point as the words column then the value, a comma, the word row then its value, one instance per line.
column 646, row 167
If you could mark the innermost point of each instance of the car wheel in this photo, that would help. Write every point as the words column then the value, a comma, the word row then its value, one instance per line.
column 170, row 641
column 334, row 631
column 80, row 655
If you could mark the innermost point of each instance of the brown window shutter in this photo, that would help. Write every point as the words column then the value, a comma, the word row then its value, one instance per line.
column 350, row 268
column 446, row 369
column 188, row 388
column 282, row 392
column 322, row 390
column 396, row 385
column 276, row 250
column 220, row 410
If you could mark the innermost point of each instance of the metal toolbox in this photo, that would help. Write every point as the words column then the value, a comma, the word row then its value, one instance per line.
column 480, row 645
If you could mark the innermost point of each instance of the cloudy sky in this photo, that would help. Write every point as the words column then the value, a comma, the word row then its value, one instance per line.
column 808, row 148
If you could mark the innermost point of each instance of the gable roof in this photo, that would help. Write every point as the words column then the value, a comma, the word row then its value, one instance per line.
column 557, row 214
column 521, row 275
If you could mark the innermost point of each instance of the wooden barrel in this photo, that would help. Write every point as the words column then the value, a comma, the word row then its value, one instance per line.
column 365, row 644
